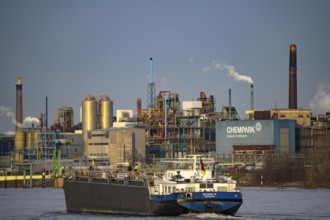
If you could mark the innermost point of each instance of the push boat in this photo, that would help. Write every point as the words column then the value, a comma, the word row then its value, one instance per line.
column 188, row 185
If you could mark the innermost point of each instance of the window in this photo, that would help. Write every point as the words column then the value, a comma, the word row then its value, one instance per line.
column 100, row 143
column 98, row 135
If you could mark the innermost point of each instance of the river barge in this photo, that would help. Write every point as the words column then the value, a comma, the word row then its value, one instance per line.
column 188, row 185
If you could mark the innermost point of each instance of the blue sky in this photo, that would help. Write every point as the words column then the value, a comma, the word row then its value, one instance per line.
column 69, row 49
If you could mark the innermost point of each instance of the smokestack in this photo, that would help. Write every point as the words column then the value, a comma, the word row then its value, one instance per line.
column 46, row 116
column 139, row 108
column 293, row 77
column 229, row 103
column 252, row 97
column 19, row 102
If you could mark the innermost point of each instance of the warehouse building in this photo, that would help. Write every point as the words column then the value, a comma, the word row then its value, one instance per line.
column 255, row 137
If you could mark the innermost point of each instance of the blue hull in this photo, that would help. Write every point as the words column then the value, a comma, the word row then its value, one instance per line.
column 204, row 202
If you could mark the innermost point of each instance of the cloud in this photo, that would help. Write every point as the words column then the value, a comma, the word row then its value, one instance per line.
column 205, row 69
column 321, row 100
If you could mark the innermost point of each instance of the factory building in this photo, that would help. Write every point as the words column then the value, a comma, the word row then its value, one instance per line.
column 125, row 119
column 7, row 144
column 120, row 145
column 64, row 119
column 70, row 145
column 97, row 113
column 255, row 137
column 301, row 116
column 172, row 131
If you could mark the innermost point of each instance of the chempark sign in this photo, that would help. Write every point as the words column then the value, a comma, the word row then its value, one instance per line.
column 242, row 131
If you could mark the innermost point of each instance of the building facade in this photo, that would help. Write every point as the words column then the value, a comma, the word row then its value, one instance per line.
column 259, row 136
column 120, row 145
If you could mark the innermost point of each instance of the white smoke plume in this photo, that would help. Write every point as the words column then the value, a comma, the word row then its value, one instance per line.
column 232, row 72
column 164, row 82
column 191, row 60
column 26, row 122
column 10, row 133
column 9, row 113
column 321, row 100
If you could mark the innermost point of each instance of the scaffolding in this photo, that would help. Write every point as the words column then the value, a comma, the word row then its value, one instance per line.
column 46, row 143
column 64, row 119
column 171, row 133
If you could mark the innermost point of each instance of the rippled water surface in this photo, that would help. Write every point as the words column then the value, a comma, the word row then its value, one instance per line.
column 269, row 203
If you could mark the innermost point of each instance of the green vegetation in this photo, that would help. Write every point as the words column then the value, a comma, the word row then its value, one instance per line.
column 311, row 170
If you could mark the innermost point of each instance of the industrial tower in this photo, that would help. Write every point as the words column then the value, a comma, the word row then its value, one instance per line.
column 151, row 88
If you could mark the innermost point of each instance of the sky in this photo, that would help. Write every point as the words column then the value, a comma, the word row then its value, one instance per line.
column 68, row 49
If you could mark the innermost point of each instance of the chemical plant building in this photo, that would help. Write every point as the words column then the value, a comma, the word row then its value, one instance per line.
column 255, row 137
column 166, row 128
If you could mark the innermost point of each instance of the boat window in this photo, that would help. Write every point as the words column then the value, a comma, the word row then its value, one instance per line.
column 191, row 189
column 222, row 189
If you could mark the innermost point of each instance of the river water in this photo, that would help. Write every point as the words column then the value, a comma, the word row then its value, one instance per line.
column 268, row 203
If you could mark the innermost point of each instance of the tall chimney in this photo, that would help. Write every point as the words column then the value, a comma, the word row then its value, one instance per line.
column 19, row 102
column 229, row 103
column 252, row 97
column 139, row 108
column 293, row 77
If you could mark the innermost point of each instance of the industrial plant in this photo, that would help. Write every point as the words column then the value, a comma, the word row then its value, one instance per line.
column 167, row 128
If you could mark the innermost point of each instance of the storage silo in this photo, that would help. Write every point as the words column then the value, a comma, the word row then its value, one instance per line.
column 28, row 138
column 19, row 146
column 105, row 112
column 89, row 118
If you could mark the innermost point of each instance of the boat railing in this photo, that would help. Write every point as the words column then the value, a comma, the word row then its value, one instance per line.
column 98, row 177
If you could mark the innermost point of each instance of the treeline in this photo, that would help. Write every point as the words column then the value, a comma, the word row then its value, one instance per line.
column 310, row 169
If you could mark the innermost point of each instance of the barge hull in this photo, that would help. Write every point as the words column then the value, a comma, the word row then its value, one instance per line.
column 116, row 199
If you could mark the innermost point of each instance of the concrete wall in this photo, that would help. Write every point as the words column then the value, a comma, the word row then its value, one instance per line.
column 72, row 146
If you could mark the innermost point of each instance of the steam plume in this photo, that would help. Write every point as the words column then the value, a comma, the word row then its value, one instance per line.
column 9, row 113
column 321, row 100
column 164, row 82
column 191, row 60
column 232, row 72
